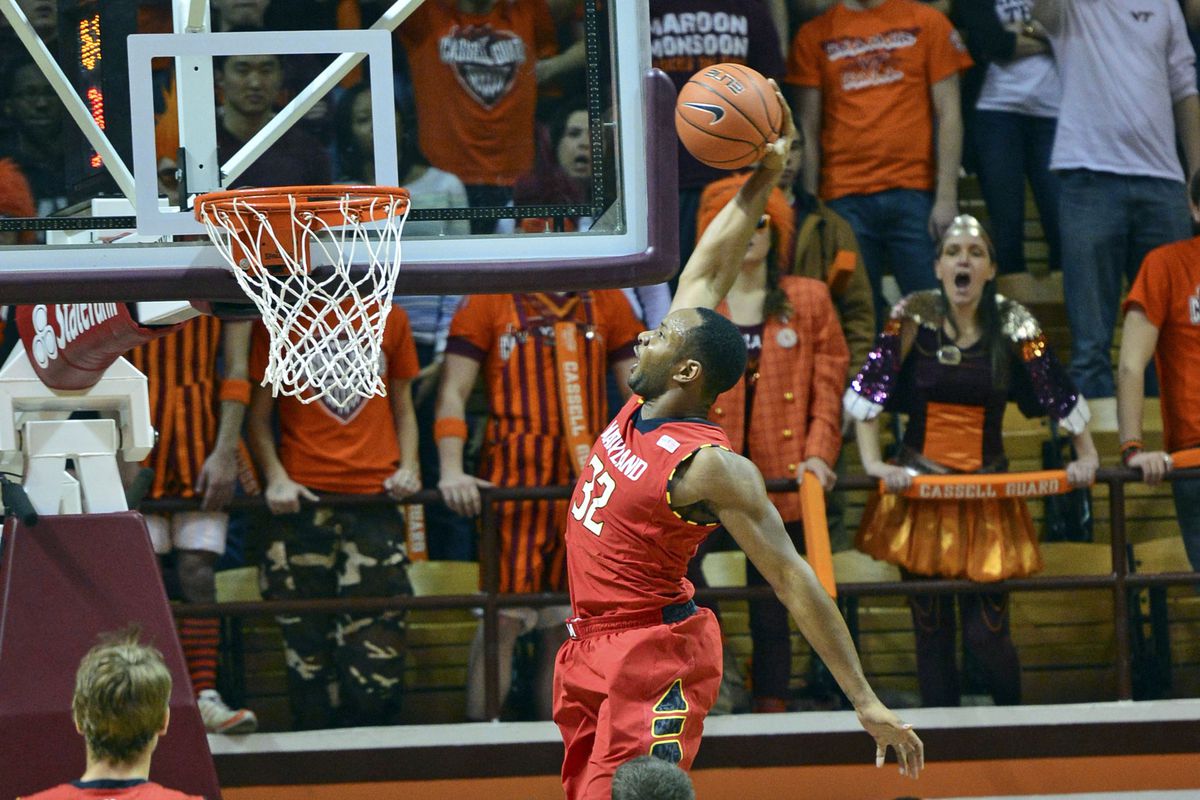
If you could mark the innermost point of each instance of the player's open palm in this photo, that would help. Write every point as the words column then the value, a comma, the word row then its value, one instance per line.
column 888, row 730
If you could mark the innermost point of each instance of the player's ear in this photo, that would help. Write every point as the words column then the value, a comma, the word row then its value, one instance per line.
column 688, row 371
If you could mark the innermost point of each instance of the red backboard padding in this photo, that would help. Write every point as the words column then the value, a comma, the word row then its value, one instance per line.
column 62, row 582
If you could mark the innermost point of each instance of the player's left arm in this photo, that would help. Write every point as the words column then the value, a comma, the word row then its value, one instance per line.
column 218, row 475
column 406, row 479
column 714, row 264
column 732, row 487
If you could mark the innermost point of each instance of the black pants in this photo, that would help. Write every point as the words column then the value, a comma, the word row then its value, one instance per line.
column 986, row 638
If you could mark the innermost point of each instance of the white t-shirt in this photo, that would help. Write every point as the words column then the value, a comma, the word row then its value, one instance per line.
column 1124, row 64
column 437, row 189
column 1027, row 85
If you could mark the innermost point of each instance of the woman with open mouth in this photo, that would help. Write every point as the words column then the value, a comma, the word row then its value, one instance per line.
column 951, row 359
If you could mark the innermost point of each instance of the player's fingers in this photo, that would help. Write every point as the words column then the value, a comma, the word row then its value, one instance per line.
column 880, row 754
column 902, row 759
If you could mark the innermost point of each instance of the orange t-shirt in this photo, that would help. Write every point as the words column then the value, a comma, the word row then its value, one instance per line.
column 352, row 450
column 474, row 85
column 1167, row 289
column 875, row 69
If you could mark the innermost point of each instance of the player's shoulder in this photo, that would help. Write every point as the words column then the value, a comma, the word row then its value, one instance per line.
column 61, row 792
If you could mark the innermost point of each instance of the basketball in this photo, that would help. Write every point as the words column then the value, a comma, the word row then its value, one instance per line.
column 726, row 115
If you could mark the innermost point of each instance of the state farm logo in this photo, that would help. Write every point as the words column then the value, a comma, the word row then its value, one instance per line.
column 44, row 346
column 71, row 320
column 484, row 60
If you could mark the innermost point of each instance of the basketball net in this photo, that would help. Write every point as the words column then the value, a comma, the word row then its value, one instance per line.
column 320, row 277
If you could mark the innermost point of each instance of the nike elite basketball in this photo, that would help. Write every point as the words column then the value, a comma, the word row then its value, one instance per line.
column 726, row 114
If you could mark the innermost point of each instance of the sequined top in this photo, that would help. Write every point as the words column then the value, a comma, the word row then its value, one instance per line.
column 889, row 380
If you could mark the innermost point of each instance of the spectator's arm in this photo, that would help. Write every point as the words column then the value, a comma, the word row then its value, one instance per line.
column 808, row 100
column 566, row 62
column 407, row 479
column 986, row 39
column 947, row 114
column 1139, row 337
column 1187, row 128
column 459, row 490
column 218, row 476
column 283, row 494
column 1050, row 13
column 779, row 15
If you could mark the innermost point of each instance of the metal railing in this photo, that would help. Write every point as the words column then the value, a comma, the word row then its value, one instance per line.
column 1121, row 580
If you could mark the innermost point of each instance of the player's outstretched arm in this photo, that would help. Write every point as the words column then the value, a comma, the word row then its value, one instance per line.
column 714, row 264
column 733, row 489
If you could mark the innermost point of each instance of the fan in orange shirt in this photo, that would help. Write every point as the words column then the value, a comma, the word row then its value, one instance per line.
column 1162, row 320
column 366, row 446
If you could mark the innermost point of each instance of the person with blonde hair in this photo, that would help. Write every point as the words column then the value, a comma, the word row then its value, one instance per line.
column 121, row 708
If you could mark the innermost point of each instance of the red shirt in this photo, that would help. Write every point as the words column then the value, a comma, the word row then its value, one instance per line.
column 627, row 550
column 145, row 790
column 1167, row 289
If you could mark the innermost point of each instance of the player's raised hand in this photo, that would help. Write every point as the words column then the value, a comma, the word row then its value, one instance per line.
column 888, row 730
column 776, row 153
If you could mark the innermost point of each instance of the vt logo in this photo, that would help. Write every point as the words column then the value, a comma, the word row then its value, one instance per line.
column 1141, row 16
column 718, row 113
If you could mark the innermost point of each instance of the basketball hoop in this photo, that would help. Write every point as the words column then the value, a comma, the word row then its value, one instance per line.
column 321, row 275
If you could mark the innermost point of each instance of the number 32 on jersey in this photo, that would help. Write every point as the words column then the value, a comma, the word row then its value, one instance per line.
column 596, row 492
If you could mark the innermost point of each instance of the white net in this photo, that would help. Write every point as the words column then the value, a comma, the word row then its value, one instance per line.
column 326, row 287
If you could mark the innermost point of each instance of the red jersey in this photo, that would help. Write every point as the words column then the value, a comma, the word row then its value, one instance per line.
column 124, row 790
column 627, row 549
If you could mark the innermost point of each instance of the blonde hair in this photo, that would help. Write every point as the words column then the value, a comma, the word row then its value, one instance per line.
column 122, row 690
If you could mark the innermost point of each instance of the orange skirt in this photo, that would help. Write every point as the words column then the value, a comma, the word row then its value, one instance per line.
column 982, row 540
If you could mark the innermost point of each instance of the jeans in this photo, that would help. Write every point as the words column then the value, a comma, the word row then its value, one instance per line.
column 1108, row 224
column 892, row 227
column 1187, row 509
column 1012, row 147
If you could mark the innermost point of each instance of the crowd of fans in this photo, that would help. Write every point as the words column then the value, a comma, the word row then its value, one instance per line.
column 1095, row 107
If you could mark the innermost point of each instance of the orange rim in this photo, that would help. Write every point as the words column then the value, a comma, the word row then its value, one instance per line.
column 276, row 200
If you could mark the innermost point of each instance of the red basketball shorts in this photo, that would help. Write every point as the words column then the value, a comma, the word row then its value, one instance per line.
column 631, row 693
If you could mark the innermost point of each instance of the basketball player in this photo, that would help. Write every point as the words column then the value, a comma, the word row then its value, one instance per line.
column 643, row 664
column 120, row 708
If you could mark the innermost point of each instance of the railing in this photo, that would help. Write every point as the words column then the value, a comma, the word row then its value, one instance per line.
column 1120, row 580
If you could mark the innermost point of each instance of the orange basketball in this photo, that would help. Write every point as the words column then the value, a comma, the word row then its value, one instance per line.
column 726, row 115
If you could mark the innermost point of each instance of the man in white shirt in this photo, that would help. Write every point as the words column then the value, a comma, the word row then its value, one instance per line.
column 1129, row 96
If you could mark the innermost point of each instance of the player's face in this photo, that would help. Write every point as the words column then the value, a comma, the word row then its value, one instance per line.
column 964, row 266
column 657, row 354
column 575, row 147
column 251, row 83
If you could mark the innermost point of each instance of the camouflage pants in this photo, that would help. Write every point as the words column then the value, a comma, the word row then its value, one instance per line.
column 343, row 669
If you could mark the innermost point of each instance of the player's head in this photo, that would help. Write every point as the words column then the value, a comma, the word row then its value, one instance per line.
column 122, row 692
column 650, row 778
column 694, row 350
column 250, row 85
